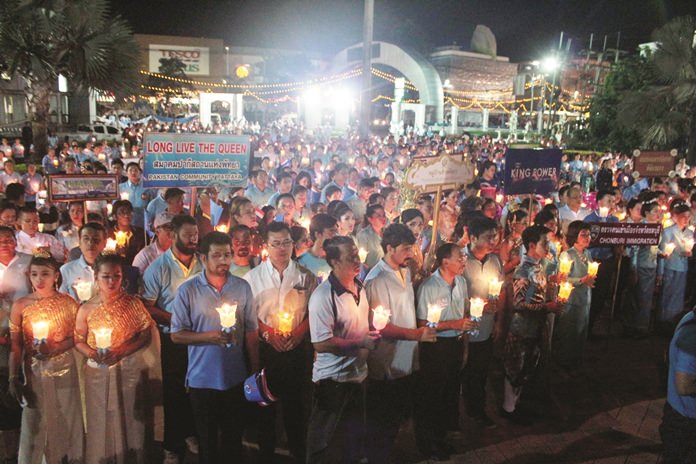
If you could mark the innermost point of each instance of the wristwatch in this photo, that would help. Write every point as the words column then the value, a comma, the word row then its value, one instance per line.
column 266, row 335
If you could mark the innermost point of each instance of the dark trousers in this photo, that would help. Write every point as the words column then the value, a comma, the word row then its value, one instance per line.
column 287, row 372
column 678, row 437
column 388, row 406
column 219, row 416
column 337, row 423
column 436, row 405
column 475, row 375
column 601, row 293
column 178, row 418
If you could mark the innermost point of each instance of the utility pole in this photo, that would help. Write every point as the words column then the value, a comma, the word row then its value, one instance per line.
column 366, row 94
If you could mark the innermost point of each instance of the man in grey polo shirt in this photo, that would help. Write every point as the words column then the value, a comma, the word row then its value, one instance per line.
column 161, row 282
column 339, row 329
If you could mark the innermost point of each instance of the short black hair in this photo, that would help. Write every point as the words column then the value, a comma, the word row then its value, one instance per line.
column 480, row 224
column 109, row 258
column 445, row 251
column 395, row 235
column 132, row 163
column 319, row 223
column 533, row 234
column 180, row 220
column 283, row 195
column 332, row 189
column 214, row 238
column 14, row 191
column 332, row 248
column 95, row 226
column 9, row 231
column 574, row 229
column 173, row 193
column 239, row 228
column 603, row 193
column 276, row 227
column 118, row 204
column 27, row 209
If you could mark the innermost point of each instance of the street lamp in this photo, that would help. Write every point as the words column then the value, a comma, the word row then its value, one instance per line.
column 227, row 60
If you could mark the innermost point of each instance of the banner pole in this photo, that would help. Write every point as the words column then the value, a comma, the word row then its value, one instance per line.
column 436, row 214
column 620, row 251
column 529, row 214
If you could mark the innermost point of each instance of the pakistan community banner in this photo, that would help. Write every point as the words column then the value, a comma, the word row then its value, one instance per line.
column 195, row 160
column 530, row 170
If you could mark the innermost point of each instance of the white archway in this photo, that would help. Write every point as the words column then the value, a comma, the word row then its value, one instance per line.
column 411, row 64
column 235, row 101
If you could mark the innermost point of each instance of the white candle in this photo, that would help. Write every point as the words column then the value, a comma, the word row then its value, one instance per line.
column 121, row 238
column 363, row 255
column 321, row 276
column 83, row 290
column 564, row 291
column 305, row 223
column 476, row 307
column 224, row 228
column 494, row 286
column 102, row 337
column 285, row 322
column 592, row 268
column 40, row 330
column 110, row 244
column 669, row 248
column 434, row 313
column 603, row 211
column 565, row 264
column 228, row 315
column 125, row 196
column 688, row 244
column 380, row 317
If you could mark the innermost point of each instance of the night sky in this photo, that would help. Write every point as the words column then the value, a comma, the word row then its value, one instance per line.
column 524, row 29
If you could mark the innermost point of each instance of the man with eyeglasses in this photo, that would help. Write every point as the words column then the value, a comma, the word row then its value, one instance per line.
column 281, row 290
column 161, row 281
column 483, row 265
column 573, row 210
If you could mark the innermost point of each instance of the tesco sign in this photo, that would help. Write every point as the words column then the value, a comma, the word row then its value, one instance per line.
column 196, row 59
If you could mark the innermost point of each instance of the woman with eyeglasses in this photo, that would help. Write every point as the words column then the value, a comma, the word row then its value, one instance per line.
column 572, row 324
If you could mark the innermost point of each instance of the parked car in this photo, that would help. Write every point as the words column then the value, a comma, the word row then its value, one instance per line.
column 92, row 133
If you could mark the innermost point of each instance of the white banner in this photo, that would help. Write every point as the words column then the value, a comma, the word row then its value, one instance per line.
column 196, row 59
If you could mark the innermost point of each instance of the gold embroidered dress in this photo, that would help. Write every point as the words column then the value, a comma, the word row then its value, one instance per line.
column 52, row 429
column 120, row 398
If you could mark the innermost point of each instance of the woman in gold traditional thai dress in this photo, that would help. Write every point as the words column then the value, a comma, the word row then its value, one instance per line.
column 41, row 329
column 117, row 335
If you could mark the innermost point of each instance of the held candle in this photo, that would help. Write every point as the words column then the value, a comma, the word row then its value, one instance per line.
column 669, row 248
column 380, row 317
column 476, row 308
column 222, row 228
column 125, row 196
column 494, row 286
column 689, row 244
column 564, row 291
column 40, row 330
column 434, row 313
column 363, row 255
column 564, row 264
column 285, row 322
column 110, row 244
column 121, row 238
column 305, row 223
column 102, row 338
column 228, row 315
column 592, row 268
column 83, row 290
column 603, row 211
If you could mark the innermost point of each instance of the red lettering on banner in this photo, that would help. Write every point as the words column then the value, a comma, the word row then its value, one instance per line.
column 231, row 148
column 158, row 147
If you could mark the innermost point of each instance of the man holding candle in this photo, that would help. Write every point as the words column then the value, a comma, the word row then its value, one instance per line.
column 604, row 255
column 217, row 367
column 134, row 191
column 394, row 361
column 673, row 269
column 523, row 343
column 321, row 228
column 338, row 321
column 281, row 290
column 92, row 240
column 483, row 266
column 29, row 238
column 437, row 407
column 161, row 281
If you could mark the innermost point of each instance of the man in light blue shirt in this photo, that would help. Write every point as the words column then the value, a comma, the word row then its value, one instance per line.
column 134, row 191
column 258, row 191
column 161, row 281
column 217, row 369
column 673, row 269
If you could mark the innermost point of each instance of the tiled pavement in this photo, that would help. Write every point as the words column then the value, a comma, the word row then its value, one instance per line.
column 608, row 414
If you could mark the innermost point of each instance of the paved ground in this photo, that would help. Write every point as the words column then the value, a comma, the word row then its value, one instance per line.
column 608, row 414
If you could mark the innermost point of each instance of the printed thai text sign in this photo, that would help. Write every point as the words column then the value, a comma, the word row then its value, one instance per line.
column 439, row 171
column 532, row 170
column 62, row 187
column 195, row 160
column 619, row 233
column 653, row 163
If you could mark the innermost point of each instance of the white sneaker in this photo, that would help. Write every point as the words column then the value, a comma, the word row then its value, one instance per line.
column 170, row 457
column 192, row 444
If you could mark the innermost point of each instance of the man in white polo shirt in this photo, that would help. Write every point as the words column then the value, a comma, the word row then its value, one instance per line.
column 338, row 324
column 390, row 366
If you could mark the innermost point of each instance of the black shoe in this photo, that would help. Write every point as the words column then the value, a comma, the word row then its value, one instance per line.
column 516, row 417
column 484, row 421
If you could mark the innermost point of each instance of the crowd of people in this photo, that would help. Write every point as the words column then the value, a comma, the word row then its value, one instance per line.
column 353, row 302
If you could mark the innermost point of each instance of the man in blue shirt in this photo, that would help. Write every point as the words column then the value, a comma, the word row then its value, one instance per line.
column 678, row 427
column 217, row 366
column 604, row 255
column 134, row 191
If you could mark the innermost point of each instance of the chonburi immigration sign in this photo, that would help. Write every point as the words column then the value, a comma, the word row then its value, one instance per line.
column 195, row 160
column 621, row 233
column 532, row 170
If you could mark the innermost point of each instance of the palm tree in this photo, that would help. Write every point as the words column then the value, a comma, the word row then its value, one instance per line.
column 665, row 112
column 79, row 39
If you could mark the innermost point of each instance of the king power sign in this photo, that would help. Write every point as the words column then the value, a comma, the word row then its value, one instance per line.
column 196, row 59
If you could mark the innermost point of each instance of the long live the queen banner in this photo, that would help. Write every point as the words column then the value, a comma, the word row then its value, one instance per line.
column 195, row 160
